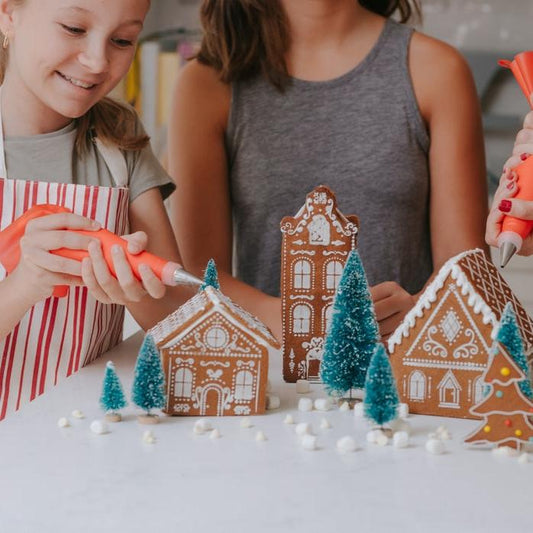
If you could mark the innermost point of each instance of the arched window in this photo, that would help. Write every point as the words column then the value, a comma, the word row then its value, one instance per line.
column 333, row 274
column 302, row 274
column 328, row 313
column 183, row 383
column 479, row 390
column 244, row 385
column 417, row 386
column 301, row 319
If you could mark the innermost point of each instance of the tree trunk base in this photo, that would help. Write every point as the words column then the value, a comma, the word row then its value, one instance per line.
column 113, row 417
column 148, row 419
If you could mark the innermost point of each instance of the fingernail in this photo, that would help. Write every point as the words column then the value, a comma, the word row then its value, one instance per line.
column 510, row 185
column 505, row 206
column 116, row 249
column 523, row 157
column 508, row 175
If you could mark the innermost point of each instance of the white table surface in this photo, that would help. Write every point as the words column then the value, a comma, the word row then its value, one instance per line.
column 59, row 480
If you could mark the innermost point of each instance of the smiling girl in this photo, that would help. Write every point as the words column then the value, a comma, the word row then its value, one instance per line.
column 63, row 142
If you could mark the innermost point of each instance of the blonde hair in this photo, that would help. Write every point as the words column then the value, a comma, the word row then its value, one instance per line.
column 109, row 120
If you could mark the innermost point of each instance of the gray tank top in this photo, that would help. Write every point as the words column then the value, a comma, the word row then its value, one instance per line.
column 362, row 135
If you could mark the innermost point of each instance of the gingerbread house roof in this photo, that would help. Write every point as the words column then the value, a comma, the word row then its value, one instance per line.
column 346, row 225
column 485, row 291
column 179, row 323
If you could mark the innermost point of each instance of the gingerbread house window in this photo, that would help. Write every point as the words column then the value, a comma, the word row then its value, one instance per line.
column 479, row 390
column 328, row 313
column 244, row 385
column 417, row 386
column 301, row 318
column 216, row 337
column 333, row 274
column 302, row 274
column 183, row 383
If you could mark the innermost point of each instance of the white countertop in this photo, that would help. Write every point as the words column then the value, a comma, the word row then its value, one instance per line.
column 58, row 480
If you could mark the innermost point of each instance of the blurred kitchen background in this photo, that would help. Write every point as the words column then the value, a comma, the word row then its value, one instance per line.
column 482, row 30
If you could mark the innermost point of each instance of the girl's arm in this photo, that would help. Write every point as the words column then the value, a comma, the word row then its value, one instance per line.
column 201, row 206
column 448, row 103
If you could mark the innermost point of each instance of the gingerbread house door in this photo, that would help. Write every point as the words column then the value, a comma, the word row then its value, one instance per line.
column 212, row 400
column 449, row 391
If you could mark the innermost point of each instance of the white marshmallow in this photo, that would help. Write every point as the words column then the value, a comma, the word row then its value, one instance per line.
column 246, row 423
column 202, row 425
column 443, row 433
column 303, row 428
column 372, row 435
column 148, row 437
column 322, row 404
column 403, row 410
column 272, row 401
column 77, row 414
column 288, row 419
column 400, row 425
column 505, row 451
column 382, row 439
column 345, row 406
column 305, row 404
column 400, row 439
column 435, row 446
column 215, row 434
column 346, row 444
column 99, row 427
column 63, row 422
column 523, row 459
column 359, row 410
column 260, row 436
column 309, row 442
column 325, row 424
column 302, row 386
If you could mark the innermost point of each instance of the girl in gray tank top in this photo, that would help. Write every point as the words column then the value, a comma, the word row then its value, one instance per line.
column 290, row 95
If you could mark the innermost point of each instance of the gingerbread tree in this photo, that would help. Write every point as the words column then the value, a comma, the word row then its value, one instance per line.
column 505, row 409
column 353, row 334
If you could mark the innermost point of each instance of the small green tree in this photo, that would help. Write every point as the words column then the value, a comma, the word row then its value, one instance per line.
column 210, row 276
column 112, row 398
column 509, row 335
column 353, row 333
column 149, row 381
column 381, row 395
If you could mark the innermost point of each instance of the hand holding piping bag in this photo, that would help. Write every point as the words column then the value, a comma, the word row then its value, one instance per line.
column 111, row 245
column 513, row 229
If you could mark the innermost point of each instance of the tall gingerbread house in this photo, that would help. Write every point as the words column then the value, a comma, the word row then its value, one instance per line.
column 441, row 349
column 315, row 246
column 215, row 357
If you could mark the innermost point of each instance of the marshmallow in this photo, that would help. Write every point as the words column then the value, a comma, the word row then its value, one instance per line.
column 302, row 386
column 382, row 439
column 303, row 428
column 260, row 436
column 372, row 435
column 202, row 425
column 77, row 414
column 523, row 459
column 435, row 446
column 98, row 427
column 400, row 439
column 148, row 437
column 324, row 424
column 305, row 404
column 63, row 422
column 246, row 423
column 272, row 401
column 346, row 444
column 400, row 425
column 309, row 442
column 288, row 420
column 403, row 410
column 443, row 433
column 345, row 406
column 359, row 410
column 505, row 451
column 322, row 404
column 215, row 434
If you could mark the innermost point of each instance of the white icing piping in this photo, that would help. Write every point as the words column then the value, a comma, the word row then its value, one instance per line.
column 429, row 296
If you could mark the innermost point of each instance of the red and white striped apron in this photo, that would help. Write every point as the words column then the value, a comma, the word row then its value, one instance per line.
column 58, row 336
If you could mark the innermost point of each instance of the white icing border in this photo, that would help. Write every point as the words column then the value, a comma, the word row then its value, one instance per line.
column 429, row 296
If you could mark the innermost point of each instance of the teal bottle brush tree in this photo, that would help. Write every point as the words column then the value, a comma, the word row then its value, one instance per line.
column 210, row 276
column 353, row 333
column 381, row 395
column 112, row 398
column 149, row 381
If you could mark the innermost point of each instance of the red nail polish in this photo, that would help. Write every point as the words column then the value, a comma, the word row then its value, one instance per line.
column 510, row 185
column 505, row 206
column 509, row 176
column 523, row 157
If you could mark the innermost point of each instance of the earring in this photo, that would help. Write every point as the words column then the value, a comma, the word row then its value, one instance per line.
column 5, row 44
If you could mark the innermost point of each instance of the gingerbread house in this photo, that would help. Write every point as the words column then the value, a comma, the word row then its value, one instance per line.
column 215, row 357
column 315, row 246
column 441, row 349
